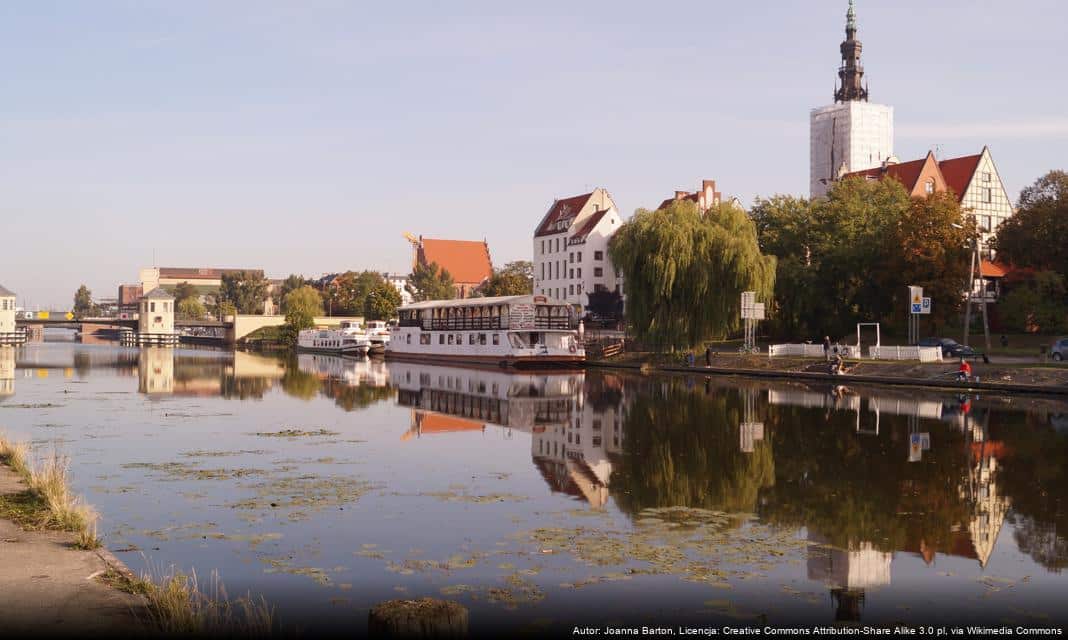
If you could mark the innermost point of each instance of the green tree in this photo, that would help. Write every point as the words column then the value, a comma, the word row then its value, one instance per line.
column 430, row 282
column 246, row 290
column 185, row 291
column 225, row 308
column 382, row 301
column 291, row 283
column 1034, row 302
column 1034, row 237
column 514, row 279
column 931, row 248
column 302, row 305
column 190, row 309
column 83, row 302
column 685, row 271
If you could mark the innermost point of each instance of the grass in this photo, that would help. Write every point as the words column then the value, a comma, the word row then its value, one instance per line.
column 176, row 604
column 48, row 502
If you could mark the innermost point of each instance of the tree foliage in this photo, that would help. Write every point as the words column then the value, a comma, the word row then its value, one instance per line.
column 185, row 291
column 430, row 282
column 83, row 302
column 246, row 290
column 190, row 309
column 514, row 279
column 849, row 257
column 685, row 271
column 302, row 305
column 1034, row 302
column 292, row 283
column 365, row 293
column 1035, row 236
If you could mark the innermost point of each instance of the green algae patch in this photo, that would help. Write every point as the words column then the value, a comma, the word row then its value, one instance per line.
column 176, row 471
column 295, row 433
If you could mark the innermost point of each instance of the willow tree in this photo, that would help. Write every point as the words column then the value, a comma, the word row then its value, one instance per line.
column 685, row 271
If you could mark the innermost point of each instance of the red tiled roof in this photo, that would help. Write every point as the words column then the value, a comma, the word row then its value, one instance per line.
column 587, row 226
column 693, row 197
column 561, row 210
column 958, row 172
column 907, row 173
column 467, row 261
column 993, row 269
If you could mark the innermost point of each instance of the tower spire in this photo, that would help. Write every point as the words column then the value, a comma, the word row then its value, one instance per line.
column 851, row 74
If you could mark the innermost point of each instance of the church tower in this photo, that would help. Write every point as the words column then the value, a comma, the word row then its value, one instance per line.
column 851, row 134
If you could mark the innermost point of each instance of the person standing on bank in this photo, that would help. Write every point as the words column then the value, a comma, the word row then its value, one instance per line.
column 708, row 356
column 827, row 348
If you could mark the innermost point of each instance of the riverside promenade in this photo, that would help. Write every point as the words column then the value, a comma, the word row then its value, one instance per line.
column 50, row 588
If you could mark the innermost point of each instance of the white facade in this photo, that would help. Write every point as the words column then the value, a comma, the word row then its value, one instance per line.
column 400, row 283
column 986, row 198
column 156, row 313
column 7, row 311
column 847, row 137
column 572, row 259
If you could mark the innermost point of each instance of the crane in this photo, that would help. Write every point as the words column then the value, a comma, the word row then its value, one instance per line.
column 410, row 237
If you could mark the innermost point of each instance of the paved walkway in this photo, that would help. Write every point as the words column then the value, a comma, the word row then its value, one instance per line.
column 48, row 587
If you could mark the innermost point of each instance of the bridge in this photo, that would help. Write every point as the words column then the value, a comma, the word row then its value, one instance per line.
column 235, row 327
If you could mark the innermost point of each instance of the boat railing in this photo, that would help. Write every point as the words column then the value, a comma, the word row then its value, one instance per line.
column 553, row 322
column 450, row 324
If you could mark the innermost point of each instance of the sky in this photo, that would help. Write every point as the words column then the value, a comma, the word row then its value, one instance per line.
column 307, row 136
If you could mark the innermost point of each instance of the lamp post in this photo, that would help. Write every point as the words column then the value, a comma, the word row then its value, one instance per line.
column 976, row 266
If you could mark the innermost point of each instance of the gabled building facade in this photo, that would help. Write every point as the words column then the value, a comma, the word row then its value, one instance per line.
column 571, row 248
column 705, row 199
column 977, row 183
column 467, row 261
column 919, row 177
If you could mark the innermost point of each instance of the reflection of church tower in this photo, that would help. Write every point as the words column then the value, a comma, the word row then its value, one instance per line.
column 7, row 371
column 852, row 134
column 980, row 488
column 155, row 371
column 848, row 573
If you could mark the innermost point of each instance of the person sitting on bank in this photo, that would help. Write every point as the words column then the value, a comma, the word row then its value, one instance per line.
column 964, row 372
column 837, row 365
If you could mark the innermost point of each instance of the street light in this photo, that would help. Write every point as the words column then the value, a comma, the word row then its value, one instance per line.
column 976, row 263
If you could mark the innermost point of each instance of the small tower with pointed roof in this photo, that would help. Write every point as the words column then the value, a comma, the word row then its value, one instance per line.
column 155, row 321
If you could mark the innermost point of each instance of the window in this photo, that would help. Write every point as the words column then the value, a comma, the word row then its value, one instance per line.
column 496, row 338
column 482, row 339
column 986, row 176
column 928, row 187
column 578, row 272
column 598, row 272
column 571, row 289
column 571, row 257
column 459, row 338
column 580, row 256
column 151, row 306
column 409, row 338
column 542, row 247
column 988, row 195
column 570, row 273
column 598, row 255
column 424, row 338
column 470, row 338
column 557, row 243
column 543, row 270
column 451, row 338
column 578, row 287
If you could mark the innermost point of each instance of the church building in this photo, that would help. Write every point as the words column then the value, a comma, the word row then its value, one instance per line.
column 852, row 134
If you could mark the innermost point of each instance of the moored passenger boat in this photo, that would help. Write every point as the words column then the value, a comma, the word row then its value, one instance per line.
column 528, row 330
column 349, row 339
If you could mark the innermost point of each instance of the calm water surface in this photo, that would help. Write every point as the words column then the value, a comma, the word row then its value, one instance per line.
column 541, row 501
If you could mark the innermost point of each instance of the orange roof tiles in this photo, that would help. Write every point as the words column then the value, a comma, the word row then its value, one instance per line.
column 467, row 261
column 993, row 269
column 907, row 173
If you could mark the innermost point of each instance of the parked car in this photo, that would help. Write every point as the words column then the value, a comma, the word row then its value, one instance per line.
column 950, row 348
column 1059, row 350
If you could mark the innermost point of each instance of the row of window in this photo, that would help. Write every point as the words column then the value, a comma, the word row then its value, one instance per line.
column 7, row 304
column 456, row 339
column 575, row 272
column 573, row 289
column 574, row 256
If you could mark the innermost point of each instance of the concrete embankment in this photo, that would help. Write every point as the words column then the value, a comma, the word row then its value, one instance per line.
column 48, row 587
column 994, row 377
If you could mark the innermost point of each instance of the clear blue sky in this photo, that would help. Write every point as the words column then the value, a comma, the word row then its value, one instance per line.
column 306, row 136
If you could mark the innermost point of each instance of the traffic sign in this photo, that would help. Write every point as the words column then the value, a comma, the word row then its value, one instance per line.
column 925, row 307
column 917, row 307
column 69, row 316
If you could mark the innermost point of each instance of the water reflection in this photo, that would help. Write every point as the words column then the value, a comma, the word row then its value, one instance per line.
column 876, row 486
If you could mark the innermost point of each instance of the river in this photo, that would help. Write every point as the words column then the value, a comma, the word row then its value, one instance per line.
column 546, row 500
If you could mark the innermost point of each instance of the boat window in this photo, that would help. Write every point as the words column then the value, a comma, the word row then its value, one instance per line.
column 451, row 338
column 470, row 338
column 496, row 338
column 441, row 338
column 459, row 338
column 482, row 339
column 409, row 336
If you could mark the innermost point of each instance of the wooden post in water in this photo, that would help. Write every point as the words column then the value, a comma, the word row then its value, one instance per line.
column 423, row 618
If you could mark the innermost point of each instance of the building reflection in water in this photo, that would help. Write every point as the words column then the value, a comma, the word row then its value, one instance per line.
column 165, row 371
column 7, row 371
column 850, row 572
column 576, row 427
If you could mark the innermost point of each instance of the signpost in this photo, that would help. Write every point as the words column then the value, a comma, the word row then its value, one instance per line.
column 918, row 306
column 752, row 312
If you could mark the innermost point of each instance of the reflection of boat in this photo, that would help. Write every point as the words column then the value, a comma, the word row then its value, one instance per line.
column 356, row 372
column 506, row 330
column 349, row 339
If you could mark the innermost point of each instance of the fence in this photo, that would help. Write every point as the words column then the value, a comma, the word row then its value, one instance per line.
column 923, row 354
column 812, row 350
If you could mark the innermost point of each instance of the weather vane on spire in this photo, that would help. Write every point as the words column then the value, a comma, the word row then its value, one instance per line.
column 851, row 17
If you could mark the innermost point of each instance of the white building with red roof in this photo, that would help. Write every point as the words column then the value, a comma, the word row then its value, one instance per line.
column 571, row 248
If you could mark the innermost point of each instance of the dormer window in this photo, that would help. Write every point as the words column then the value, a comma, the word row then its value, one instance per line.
column 929, row 187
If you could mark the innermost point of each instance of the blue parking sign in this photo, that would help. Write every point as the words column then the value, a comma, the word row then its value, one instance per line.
column 917, row 307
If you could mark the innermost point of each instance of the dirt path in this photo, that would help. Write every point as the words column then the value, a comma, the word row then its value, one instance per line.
column 48, row 587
